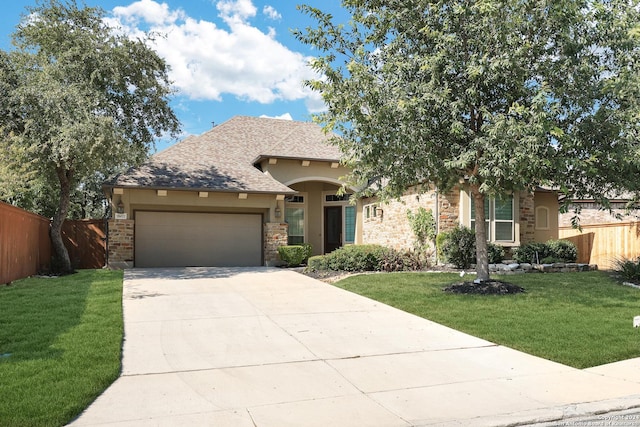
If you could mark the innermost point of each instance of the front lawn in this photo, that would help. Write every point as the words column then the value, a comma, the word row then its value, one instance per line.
column 60, row 345
column 578, row 319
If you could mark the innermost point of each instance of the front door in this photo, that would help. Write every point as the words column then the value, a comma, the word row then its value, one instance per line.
column 332, row 228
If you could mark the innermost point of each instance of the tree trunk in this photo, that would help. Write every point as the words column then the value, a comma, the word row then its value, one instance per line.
column 60, row 251
column 482, row 257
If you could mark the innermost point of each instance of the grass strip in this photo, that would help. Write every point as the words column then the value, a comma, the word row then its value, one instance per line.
column 60, row 345
column 578, row 319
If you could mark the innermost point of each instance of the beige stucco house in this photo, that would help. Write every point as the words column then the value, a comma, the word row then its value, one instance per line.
column 231, row 196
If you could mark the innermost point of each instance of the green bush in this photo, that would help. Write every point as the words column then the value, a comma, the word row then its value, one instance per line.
column 564, row 250
column 356, row 258
column 317, row 263
column 531, row 253
column 547, row 253
column 394, row 260
column 294, row 255
column 495, row 253
column 459, row 247
column 440, row 239
column 628, row 269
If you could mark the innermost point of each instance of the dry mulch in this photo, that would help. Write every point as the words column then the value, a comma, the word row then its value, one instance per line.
column 486, row 287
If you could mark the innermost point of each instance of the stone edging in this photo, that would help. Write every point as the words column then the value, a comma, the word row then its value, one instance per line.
column 515, row 268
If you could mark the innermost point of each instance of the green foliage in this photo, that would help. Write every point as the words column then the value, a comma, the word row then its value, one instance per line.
column 564, row 250
column 394, row 260
column 441, row 238
column 355, row 258
column 531, row 253
column 459, row 247
column 64, row 337
column 546, row 253
column 495, row 253
column 423, row 226
column 559, row 308
column 317, row 263
column 79, row 100
column 294, row 255
column 502, row 94
column 628, row 269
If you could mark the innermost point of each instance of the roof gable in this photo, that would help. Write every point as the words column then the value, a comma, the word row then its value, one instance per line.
column 222, row 159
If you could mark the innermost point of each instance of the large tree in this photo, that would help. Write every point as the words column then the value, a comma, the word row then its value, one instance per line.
column 501, row 95
column 80, row 99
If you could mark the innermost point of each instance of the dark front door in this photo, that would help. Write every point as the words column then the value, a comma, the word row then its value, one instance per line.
column 332, row 228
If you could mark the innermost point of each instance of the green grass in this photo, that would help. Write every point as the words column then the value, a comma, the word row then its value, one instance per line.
column 60, row 345
column 578, row 319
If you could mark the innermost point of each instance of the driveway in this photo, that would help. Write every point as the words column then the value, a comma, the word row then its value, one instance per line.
column 267, row 347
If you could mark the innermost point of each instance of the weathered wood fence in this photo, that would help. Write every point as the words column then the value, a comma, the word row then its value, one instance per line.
column 25, row 245
column 603, row 244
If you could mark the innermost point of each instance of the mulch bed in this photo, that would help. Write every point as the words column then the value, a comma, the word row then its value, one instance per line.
column 486, row 287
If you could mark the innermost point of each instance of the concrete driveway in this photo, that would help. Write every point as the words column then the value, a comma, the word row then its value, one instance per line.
column 269, row 347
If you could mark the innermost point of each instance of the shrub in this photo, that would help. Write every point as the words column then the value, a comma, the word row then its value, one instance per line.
column 547, row 253
column 495, row 253
column 628, row 269
column 294, row 255
column 564, row 250
column 423, row 226
column 459, row 247
column 356, row 258
column 393, row 260
column 531, row 253
column 317, row 263
column 440, row 239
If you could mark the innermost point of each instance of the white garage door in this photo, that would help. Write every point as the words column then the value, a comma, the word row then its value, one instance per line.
column 176, row 239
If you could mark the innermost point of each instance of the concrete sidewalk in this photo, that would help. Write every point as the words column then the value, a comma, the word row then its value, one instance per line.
column 269, row 347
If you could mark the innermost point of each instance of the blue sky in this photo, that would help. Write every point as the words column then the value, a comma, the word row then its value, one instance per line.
column 228, row 57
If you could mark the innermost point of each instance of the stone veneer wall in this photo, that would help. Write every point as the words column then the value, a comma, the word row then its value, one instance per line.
column 527, row 218
column 275, row 234
column 120, row 243
column 392, row 228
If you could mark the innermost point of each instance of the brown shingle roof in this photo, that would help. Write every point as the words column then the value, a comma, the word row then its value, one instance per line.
column 222, row 159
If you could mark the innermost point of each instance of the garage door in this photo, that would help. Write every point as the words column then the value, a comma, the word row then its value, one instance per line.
column 176, row 239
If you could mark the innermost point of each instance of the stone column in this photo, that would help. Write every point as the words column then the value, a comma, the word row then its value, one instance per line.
column 275, row 235
column 120, row 243
column 527, row 218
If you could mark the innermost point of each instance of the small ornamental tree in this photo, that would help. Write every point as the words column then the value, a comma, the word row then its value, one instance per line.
column 79, row 99
column 501, row 95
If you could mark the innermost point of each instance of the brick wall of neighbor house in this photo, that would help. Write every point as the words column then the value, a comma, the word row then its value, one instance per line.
column 121, row 243
column 391, row 228
column 275, row 235
column 527, row 218
column 592, row 213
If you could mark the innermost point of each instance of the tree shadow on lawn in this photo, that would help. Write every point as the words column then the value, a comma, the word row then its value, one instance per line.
column 36, row 312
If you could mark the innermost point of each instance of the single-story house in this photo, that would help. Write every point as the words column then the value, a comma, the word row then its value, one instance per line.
column 231, row 196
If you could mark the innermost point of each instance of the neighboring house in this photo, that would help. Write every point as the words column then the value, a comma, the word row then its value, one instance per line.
column 231, row 196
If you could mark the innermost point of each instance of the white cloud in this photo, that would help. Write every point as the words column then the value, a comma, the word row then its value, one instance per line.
column 272, row 13
column 208, row 61
column 285, row 116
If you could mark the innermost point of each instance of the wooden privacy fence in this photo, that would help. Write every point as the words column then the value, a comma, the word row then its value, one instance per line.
column 602, row 244
column 86, row 241
column 25, row 246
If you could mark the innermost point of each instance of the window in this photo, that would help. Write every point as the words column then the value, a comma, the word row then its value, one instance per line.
column 295, row 218
column 349, row 224
column 499, row 223
column 336, row 198
column 294, row 199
